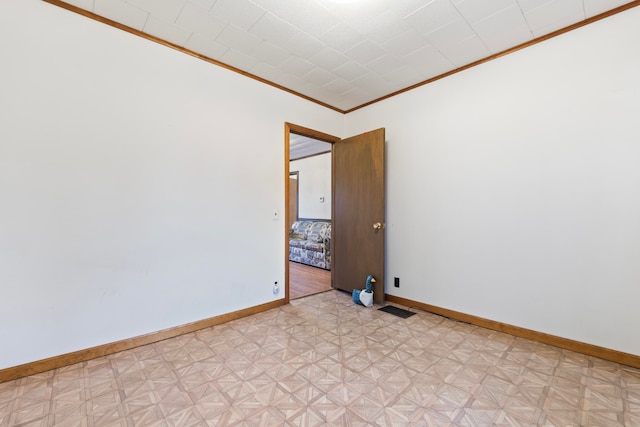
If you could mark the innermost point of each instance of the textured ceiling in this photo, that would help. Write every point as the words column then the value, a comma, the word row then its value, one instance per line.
column 301, row 146
column 346, row 53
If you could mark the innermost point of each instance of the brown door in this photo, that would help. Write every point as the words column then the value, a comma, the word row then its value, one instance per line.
column 358, row 212
column 293, row 200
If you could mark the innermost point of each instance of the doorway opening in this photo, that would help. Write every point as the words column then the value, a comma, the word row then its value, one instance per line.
column 309, row 191
column 357, row 248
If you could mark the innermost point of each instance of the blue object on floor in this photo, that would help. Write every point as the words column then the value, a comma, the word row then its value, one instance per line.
column 357, row 296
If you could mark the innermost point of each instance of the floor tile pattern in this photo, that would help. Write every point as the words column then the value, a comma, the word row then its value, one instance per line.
column 324, row 361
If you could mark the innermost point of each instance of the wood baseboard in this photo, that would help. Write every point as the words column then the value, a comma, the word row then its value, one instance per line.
column 106, row 349
column 577, row 346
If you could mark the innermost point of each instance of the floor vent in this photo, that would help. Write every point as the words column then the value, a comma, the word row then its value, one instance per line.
column 397, row 311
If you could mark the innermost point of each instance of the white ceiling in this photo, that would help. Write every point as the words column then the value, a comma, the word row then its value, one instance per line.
column 350, row 52
column 302, row 146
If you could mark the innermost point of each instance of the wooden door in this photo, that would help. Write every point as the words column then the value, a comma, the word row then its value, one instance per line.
column 293, row 200
column 358, row 212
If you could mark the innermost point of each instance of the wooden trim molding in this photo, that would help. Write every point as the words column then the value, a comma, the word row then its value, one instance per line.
column 287, row 195
column 290, row 128
column 577, row 346
column 504, row 52
column 182, row 49
column 44, row 365
column 311, row 155
column 144, row 35
column 301, row 130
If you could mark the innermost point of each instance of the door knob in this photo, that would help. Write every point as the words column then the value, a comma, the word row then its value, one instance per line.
column 377, row 226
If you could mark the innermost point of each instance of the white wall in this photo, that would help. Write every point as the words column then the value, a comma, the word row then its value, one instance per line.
column 123, row 208
column 314, row 181
column 513, row 188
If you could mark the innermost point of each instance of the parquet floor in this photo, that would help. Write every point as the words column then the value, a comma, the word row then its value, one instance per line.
column 324, row 361
column 307, row 280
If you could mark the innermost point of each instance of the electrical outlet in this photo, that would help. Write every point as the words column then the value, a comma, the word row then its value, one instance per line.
column 276, row 288
column 396, row 282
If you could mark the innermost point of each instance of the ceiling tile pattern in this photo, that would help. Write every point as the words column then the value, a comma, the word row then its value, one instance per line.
column 350, row 52
column 301, row 146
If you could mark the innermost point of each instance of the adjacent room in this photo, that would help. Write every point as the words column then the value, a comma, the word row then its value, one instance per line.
column 309, row 216
column 147, row 185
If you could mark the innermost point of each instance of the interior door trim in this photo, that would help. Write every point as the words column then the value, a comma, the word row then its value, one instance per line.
column 290, row 128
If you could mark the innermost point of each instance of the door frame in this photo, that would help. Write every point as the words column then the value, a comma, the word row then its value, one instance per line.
column 290, row 128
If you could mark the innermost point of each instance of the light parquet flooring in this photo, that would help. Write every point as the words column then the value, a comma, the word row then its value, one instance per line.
column 306, row 280
column 324, row 361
